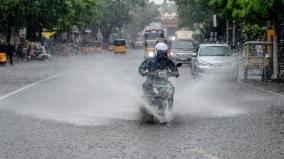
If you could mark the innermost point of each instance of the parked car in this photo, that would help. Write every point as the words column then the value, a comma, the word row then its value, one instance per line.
column 215, row 60
column 181, row 51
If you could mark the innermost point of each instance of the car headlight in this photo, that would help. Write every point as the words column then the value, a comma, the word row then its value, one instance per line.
column 151, row 54
column 203, row 63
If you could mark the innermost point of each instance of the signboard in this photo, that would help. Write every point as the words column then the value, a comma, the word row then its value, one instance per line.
column 184, row 34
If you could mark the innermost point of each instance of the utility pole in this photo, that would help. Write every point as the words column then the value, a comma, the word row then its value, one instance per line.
column 227, row 32
column 214, row 35
column 234, row 33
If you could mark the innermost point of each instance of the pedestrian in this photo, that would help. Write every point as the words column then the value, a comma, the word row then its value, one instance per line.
column 29, row 50
column 20, row 52
column 10, row 52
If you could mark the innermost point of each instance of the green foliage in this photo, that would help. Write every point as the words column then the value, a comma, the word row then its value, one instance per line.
column 9, row 13
column 253, row 14
column 63, row 14
column 194, row 11
column 249, row 11
column 115, row 14
column 253, row 32
column 141, row 16
column 169, row 8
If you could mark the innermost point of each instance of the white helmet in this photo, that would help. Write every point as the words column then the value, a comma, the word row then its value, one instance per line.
column 161, row 50
column 161, row 46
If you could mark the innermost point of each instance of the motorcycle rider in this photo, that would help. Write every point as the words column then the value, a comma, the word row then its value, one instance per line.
column 159, row 62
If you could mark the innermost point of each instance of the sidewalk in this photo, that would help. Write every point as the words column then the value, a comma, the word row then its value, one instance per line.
column 275, row 87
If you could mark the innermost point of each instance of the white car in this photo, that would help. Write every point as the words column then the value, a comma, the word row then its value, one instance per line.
column 181, row 51
column 215, row 60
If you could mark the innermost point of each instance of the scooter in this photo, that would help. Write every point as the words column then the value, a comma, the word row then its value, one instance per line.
column 159, row 99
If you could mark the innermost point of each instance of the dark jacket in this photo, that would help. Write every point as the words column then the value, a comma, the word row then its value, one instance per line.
column 154, row 64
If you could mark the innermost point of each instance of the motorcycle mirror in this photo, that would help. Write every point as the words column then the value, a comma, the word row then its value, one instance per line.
column 179, row 65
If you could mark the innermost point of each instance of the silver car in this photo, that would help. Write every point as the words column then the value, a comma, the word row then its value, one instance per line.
column 215, row 60
column 181, row 51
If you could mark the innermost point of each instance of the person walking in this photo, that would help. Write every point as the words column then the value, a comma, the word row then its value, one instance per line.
column 20, row 52
column 10, row 52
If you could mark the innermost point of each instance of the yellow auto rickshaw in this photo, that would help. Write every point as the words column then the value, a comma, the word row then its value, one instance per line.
column 257, row 58
column 149, row 50
column 3, row 55
column 119, row 46
column 91, row 47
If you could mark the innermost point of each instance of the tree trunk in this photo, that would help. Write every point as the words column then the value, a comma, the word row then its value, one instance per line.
column 275, row 55
column 107, row 34
column 8, row 34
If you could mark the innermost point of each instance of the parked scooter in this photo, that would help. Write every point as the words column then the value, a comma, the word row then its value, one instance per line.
column 38, row 54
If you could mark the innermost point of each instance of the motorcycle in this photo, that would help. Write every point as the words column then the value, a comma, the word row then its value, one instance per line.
column 38, row 54
column 159, row 98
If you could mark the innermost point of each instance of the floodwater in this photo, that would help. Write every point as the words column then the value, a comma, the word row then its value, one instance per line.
column 109, row 88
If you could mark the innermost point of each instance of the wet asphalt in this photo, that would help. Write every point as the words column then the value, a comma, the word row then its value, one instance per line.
column 88, row 107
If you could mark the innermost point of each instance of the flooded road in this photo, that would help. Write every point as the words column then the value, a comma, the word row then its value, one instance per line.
column 88, row 107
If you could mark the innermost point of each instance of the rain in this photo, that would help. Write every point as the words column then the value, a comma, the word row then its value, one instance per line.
column 73, row 78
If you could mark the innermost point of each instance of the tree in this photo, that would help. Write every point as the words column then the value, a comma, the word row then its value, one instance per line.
column 250, row 13
column 195, row 12
column 115, row 14
column 141, row 16
column 168, row 8
column 253, row 14
column 36, row 15
column 10, row 16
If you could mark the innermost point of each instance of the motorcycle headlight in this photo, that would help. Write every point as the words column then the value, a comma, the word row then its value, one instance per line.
column 156, row 90
column 171, row 54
